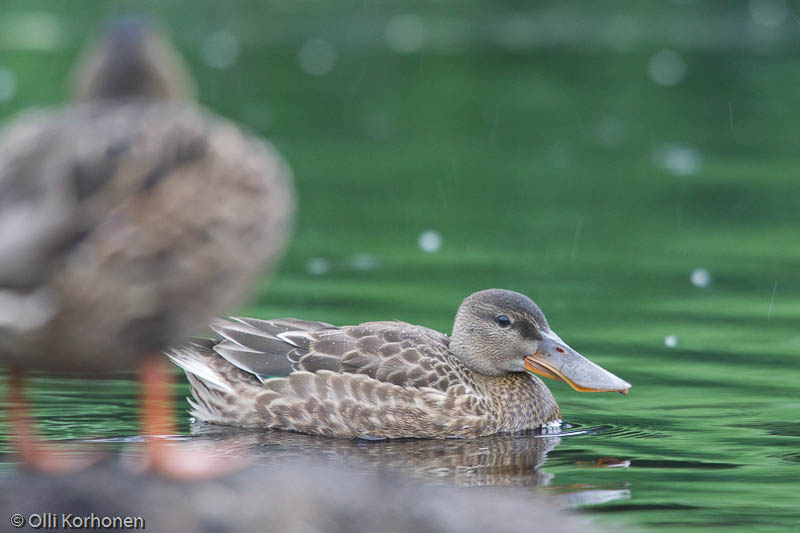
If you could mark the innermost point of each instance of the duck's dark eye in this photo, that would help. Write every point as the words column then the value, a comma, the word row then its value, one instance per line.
column 503, row 321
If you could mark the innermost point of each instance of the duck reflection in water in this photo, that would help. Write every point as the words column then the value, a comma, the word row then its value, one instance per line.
column 492, row 461
column 496, row 460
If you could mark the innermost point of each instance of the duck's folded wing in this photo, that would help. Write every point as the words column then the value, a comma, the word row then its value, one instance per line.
column 266, row 348
column 390, row 352
column 37, row 211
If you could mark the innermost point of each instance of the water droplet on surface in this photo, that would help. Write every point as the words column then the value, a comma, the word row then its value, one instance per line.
column 257, row 115
column 363, row 261
column 31, row 31
column 671, row 341
column 622, row 32
column 769, row 13
column 677, row 159
column 560, row 154
column 700, row 277
column 379, row 125
column 317, row 57
column 447, row 35
column 430, row 241
column 221, row 49
column 667, row 68
column 318, row 266
column 8, row 84
column 516, row 33
column 405, row 34
column 610, row 132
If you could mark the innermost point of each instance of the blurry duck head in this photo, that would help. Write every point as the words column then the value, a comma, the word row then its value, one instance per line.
column 132, row 59
column 498, row 331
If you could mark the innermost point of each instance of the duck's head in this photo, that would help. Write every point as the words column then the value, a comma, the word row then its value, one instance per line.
column 498, row 331
column 132, row 59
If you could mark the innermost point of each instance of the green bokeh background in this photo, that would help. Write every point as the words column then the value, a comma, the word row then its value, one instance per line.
column 535, row 139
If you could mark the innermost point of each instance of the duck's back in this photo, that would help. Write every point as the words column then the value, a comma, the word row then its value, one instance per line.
column 125, row 224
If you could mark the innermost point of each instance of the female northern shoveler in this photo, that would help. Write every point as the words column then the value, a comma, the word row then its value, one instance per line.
column 389, row 379
column 126, row 221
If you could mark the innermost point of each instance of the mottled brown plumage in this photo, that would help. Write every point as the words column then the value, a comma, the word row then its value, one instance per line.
column 378, row 379
column 127, row 221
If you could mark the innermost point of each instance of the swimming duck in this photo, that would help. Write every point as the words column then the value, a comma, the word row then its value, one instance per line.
column 389, row 379
column 127, row 220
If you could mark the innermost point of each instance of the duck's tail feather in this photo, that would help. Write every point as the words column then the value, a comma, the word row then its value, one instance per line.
column 221, row 392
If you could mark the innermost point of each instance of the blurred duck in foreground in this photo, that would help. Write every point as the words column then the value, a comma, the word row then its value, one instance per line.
column 127, row 220
column 389, row 379
column 294, row 496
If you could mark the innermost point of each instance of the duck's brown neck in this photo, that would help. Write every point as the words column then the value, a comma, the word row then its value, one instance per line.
column 520, row 401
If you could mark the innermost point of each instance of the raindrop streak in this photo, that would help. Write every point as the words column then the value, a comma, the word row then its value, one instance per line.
column 576, row 238
column 8, row 84
column 495, row 120
column 772, row 300
column 442, row 194
column 430, row 241
column 730, row 113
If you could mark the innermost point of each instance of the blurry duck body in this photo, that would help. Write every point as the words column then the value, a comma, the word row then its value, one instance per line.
column 130, row 217
column 389, row 379
column 127, row 219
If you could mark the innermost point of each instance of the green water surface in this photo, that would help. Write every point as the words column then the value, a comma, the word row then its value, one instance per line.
column 657, row 225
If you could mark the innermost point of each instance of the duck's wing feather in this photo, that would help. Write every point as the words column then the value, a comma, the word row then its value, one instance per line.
column 260, row 346
column 390, row 352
